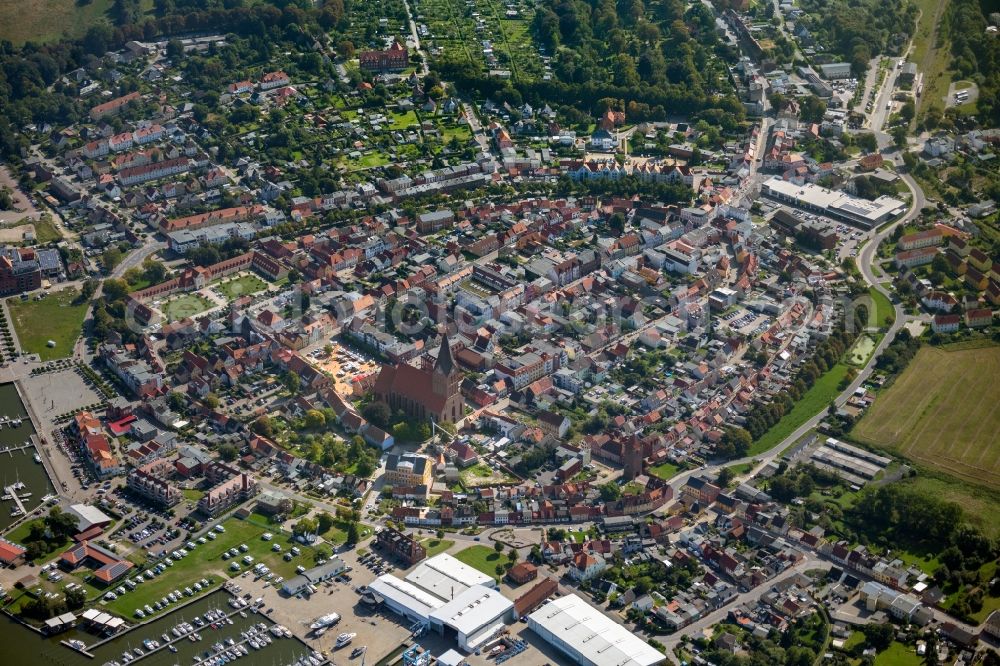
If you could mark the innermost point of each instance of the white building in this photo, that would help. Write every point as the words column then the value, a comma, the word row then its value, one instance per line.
column 473, row 616
column 446, row 577
column 405, row 598
column 834, row 204
column 589, row 637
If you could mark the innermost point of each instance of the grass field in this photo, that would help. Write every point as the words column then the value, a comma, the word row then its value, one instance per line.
column 242, row 285
column 664, row 470
column 898, row 655
column 47, row 20
column 885, row 314
column 483, row 558
column 437, row 546
column 185, row 305
column 941, row 412
column 55, row 318
column 206, row 562
column 813, row 402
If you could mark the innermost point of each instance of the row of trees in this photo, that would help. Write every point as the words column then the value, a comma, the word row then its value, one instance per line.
column 764, row 415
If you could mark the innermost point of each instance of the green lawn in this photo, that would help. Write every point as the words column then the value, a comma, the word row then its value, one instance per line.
column 47, row 20
column 664, row 470
column 885, row 314
column 483, row 558
column 813, row 402
column 192, row 495
column 898, row 655
column 437, row 546
column 55, row 318
column 185, row 305
column 856, row 638
column 743, row 468
column 242, row 285
column 401, row 121
column 206, row 562
column 20, row 533
column 46, row 231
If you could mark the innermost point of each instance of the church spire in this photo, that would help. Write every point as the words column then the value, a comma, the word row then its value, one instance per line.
column 445, row 364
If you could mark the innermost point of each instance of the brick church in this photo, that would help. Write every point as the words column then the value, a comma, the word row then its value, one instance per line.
column 424, row 394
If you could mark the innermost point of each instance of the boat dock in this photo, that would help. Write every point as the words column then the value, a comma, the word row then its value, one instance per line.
column 24, row 447
column 10, row 492
column 183, row 637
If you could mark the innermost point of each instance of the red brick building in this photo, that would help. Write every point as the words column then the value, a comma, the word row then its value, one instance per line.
column 424, row 394
column 393, row 59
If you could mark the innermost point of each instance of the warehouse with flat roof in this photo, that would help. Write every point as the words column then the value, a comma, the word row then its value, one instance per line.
column 589, row 637
column 405, row 598
column 446, row 577
column 838, row 205
column 472, row 617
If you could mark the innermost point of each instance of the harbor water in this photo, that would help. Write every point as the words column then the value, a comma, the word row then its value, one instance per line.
column 17, row 464
column 23, row 646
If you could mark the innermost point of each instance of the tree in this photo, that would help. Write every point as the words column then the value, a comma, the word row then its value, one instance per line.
column 228, row 452
column 304, row 526
column 377, row 413
column 211, row 400
column 735, row 442
column 497, row 546
column 154, row 271
column 353, row 535
column 314, row 419
column 263, row 426
column 324, row 522
column 899, row 135
column 291, row 382
column 115, row 289
column 610, row 491
column 440, row 534
column 111, row 258
column 365, row 464
column 512, row 555
column 176, row 400
column 725, row 476
column 76, row 598
column 61, row 524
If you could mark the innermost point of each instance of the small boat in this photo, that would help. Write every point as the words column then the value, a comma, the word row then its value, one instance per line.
column 173, row 649
column 38, row 458
column 344, row 639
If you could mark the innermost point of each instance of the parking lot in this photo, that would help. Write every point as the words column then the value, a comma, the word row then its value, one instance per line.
column 746, row 322
column 343, row 365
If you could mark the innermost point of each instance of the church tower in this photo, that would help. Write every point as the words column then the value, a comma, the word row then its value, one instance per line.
column 445, row 382
column 632, row 459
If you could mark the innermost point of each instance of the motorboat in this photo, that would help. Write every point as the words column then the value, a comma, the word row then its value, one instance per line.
column 344, row 639
column 325, row 621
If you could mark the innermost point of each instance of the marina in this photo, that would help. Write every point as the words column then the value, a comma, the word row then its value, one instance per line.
column 23, row 478
column 207, row 632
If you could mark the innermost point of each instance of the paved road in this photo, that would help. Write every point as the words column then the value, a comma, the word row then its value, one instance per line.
column 137, row 256
column 415, row 38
